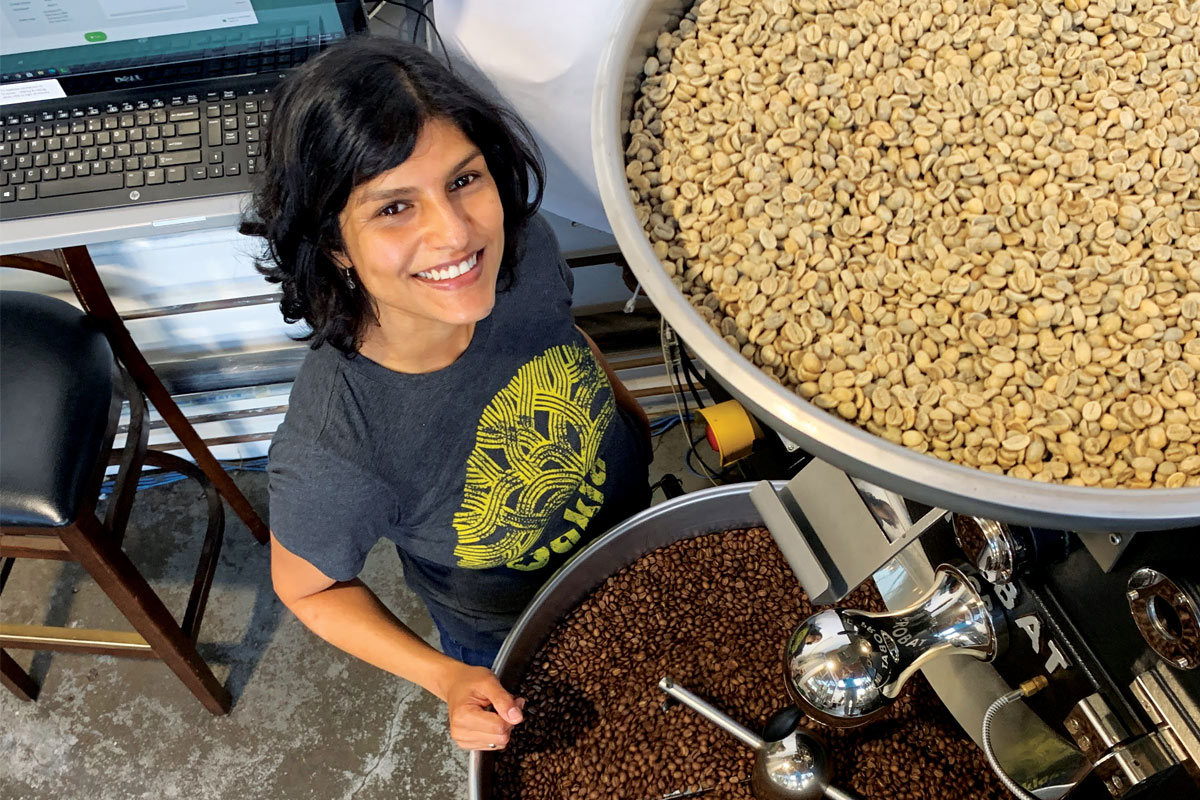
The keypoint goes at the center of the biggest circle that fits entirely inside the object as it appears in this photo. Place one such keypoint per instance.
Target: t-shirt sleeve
(324, 510)
(543, 247)
(567, 275)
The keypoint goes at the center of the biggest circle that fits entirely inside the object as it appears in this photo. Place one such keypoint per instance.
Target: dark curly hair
(349, 114)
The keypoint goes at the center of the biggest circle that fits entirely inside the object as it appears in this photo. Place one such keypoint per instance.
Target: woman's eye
(464, 180)
(393, 209)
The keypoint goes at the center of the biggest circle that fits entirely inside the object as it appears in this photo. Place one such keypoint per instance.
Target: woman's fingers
(476, 729)
(499, 698)
(473, 725)
(483, 721)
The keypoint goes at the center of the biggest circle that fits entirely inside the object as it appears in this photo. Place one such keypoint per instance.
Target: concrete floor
(308, 721)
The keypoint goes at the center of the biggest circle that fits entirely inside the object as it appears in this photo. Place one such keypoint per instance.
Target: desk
(116, 224)
(157, 219)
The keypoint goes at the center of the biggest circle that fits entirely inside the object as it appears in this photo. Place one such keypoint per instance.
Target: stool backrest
(57, 365)
(75, 265)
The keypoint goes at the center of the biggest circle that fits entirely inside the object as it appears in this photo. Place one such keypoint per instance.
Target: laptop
(118, 103)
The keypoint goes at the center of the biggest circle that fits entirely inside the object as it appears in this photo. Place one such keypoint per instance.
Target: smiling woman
(344, 129)
(426, 239)
(449, 404)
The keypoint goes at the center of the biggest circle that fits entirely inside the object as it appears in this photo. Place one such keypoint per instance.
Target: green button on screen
(96, 36)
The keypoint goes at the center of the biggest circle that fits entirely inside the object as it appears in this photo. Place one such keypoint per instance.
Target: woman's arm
(621, 393)
(348, 615)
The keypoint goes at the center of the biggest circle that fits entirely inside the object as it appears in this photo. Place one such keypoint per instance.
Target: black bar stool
(61, 394)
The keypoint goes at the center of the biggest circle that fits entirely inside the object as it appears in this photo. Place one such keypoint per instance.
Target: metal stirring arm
(713, 715)
(794, 768)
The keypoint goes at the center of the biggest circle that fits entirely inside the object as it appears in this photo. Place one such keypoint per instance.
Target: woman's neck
(401, 348)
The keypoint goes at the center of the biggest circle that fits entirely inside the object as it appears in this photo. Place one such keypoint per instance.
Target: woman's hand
(468, 697)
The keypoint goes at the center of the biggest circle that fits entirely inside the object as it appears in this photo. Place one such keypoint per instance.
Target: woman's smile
(453, 275)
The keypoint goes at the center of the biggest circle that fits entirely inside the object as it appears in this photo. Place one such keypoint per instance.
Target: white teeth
(446, 273)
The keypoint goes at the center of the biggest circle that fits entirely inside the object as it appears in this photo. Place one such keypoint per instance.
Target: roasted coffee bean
(714, 612)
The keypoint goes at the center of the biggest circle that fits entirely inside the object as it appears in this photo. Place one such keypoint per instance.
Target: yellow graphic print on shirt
(535, 454)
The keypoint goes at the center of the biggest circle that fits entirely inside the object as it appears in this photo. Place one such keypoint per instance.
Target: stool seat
(56, 401)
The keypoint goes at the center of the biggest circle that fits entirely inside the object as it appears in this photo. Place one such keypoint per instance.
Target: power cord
(1026, 689)
(420, 12)
(661, 425)
(374, 12)
(671, 346)
(687, 461)
(689, 369)
(670, 485)
(157, 478)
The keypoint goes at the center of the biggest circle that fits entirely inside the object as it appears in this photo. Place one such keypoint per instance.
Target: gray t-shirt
(487, 474)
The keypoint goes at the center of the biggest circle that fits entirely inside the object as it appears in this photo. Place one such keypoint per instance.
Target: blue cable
(664, 424)
(154, 480)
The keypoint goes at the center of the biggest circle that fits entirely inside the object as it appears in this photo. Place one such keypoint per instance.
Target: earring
(350, 280)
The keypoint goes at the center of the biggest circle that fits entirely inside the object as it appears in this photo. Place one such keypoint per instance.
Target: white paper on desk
(541, 57)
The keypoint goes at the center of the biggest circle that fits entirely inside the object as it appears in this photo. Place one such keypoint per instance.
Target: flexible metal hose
(1027, 688)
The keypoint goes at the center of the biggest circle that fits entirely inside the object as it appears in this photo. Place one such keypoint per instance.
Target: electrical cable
(663, 424)
(711, 473)
(687, 462)
(667, 362)
(159, 478)
(685, 363)
(689, 369)
(420, 12)
(417, 28)
(631, 303)
(374, 13)
(1026, 689)
(671, 362)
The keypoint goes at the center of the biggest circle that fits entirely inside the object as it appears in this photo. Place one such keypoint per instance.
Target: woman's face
(425, 238)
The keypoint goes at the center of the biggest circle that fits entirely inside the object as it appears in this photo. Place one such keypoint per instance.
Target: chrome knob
(845, 667)
(990, 546)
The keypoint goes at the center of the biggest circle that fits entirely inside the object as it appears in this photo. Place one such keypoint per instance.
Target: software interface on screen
(29, 25)
(42, 41)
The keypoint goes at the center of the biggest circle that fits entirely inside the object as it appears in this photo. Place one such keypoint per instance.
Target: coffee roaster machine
(1087, 600)
(1096, 590)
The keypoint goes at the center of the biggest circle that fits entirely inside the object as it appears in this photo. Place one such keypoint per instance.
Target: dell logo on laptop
(128, 78)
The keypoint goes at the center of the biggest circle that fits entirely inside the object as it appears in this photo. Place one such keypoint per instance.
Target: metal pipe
(710, 713)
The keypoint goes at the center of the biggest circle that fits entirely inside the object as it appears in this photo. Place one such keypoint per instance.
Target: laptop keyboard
(57, 160)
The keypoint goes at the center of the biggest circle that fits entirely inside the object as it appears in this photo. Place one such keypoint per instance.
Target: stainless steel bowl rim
(860, 453)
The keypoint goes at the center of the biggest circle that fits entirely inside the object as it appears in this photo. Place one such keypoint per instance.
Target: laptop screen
(60, 48)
